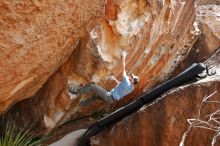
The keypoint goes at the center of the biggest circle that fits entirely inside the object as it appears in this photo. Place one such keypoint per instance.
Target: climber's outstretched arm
(113, 78)
(123, 55)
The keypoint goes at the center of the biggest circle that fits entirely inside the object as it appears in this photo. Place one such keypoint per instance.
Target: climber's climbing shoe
(73, 90)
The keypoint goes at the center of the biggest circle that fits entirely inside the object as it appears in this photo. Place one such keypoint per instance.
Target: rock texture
(186, 115)
(207, 16)
(156, 34)
(36, 37)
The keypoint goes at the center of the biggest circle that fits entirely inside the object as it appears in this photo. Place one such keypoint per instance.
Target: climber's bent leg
(102, 93)
(85, 89)
(99, 91)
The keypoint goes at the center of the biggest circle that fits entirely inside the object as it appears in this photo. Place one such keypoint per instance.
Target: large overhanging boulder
(157, 36)
(36, 37)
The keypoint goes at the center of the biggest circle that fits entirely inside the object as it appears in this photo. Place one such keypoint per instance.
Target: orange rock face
(36, 37)
(157, 36)
(186, 115)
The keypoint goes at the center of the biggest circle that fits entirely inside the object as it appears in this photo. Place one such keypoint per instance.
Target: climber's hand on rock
(123, 54)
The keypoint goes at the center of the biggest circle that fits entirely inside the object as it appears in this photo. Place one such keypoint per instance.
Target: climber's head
(133, 79)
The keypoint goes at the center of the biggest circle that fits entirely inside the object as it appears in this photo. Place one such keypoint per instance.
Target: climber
(122, 89)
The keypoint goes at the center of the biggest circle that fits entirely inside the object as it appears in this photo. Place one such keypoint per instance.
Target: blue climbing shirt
(122, 89)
